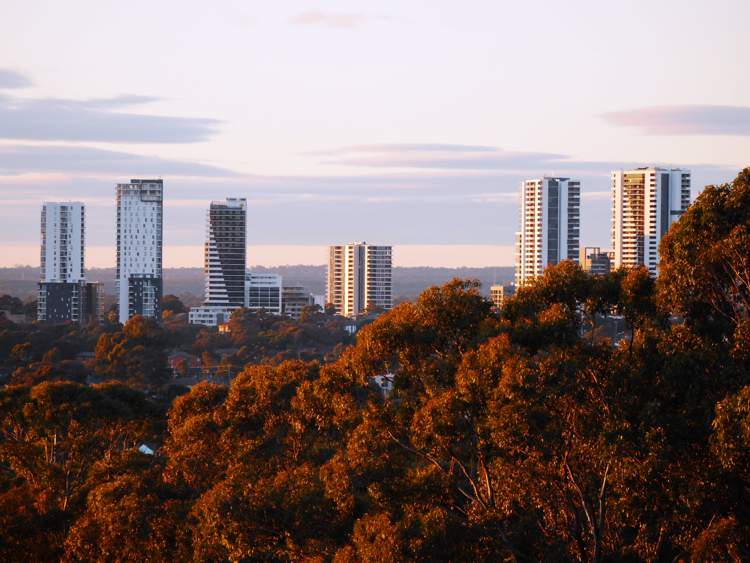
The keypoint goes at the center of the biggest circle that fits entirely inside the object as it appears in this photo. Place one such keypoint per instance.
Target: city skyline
(348, 136)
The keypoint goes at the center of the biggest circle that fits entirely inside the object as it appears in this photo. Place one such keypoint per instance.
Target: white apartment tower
(139, 248)
(63, 245)
(359, 278)
(645, 202)
(550, 219)
(225, 257)
(64, 295)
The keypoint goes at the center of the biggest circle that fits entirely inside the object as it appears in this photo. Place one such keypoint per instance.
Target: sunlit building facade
(550, 218)
(499, 293)
(645, 202)
(359, 278)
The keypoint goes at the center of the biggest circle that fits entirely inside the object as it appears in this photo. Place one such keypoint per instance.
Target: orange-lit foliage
(507, 436)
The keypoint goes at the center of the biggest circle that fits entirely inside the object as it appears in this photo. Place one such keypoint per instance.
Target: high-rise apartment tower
(139, 248)
(645, 202)
(225, 257)
(64, 294)
(550, 218)
(359, 278)
(63, 242)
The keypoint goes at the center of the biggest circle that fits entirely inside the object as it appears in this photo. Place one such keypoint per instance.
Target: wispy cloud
(333, 19)
(476, 159)
(684, 120)
(55, 119)
(39, 159)
(12, 79)
(404, 148)
(442, 156)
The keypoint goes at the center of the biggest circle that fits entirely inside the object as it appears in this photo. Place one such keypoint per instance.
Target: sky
(409, 123)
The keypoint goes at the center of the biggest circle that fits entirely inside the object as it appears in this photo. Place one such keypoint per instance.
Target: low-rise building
(595, 261)
(294, 299)
(499, 293)
(208, 315)
(263, 292)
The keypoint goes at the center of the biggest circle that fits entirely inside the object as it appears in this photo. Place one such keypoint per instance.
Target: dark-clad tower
(225, 255)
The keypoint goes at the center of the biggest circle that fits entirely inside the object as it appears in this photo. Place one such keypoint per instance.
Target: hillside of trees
(514, 435)
(188, 283)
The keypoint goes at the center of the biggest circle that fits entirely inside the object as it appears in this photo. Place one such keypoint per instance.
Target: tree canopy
(519, 435)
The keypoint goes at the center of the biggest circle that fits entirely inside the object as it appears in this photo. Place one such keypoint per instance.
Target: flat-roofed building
(263, 292)
(594, 261)
(499, 293)
(294, 299)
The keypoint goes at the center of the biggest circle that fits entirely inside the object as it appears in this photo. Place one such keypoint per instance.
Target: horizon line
(276, 255)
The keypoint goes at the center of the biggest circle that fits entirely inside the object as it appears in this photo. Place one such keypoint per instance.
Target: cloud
(405, 148)
(331, 19)
(443, 156)
(54, 119)
(12, 79)
(480, 159)
(684, 120)
(36, 159)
